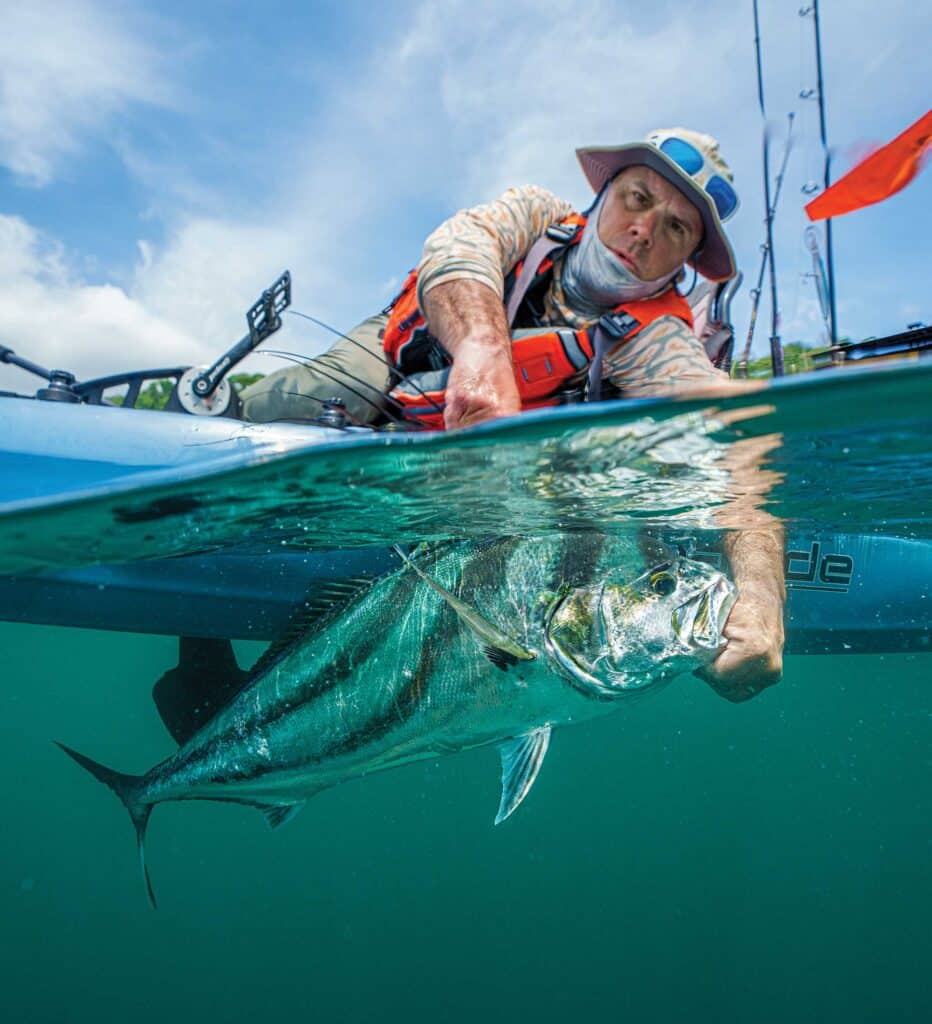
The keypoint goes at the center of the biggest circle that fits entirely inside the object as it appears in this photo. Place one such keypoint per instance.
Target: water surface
(685, 859)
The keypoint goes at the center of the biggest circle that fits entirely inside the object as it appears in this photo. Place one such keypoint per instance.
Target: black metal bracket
(92, 391)
(263, 319)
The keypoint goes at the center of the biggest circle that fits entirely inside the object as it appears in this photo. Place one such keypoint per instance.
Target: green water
(685, 859)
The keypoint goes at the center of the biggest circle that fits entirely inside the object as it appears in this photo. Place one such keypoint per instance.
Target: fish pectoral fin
(499, 658)
(499, 648)
(521, 761)
(279, 814)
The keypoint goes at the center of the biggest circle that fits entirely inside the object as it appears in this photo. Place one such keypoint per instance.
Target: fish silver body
(402, 674)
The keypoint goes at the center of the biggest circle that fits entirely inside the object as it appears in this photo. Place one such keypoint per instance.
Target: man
(519, 299)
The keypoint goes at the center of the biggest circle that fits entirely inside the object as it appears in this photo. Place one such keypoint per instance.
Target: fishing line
(319, 361)
(298, 360)
(291, 357)
(381, 359)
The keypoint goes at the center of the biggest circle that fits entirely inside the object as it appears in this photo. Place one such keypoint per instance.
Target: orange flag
(882, 174)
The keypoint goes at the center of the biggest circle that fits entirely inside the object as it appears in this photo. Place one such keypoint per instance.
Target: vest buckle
(562, 233)
(619, 325)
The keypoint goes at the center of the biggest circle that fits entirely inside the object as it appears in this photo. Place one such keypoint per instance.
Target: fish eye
(662, 583)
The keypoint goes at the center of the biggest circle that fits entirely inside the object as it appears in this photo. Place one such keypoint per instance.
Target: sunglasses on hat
(691, 160)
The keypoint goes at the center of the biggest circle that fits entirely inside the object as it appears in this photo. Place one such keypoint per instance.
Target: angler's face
(613, 639)
(650, 225)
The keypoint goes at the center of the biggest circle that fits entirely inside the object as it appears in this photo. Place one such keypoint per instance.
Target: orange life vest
(544, 361)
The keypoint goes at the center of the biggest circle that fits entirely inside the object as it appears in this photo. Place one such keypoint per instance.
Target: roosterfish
(465, 645)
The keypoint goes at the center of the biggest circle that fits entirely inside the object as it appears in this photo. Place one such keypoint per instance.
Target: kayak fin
(206, 678)
(125, 787)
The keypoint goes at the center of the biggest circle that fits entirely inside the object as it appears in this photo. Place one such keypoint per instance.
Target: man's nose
(644, 226)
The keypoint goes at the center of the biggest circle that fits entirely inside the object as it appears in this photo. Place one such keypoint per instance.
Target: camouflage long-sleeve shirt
(485, 243)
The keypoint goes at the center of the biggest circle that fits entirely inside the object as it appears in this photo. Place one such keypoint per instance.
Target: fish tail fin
(126, 788)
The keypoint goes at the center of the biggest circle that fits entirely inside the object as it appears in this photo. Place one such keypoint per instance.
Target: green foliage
(154, 395)
(797, 358)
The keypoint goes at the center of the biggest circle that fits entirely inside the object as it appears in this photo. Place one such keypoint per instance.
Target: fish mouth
(700, 621)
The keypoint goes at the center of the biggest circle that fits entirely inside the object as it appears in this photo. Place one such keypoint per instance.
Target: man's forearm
(468, 319)
(753, 658)
(467, 312)
(756, 560)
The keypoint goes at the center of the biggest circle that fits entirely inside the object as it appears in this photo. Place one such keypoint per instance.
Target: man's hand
(468, 318)
(753, 657)
(481, 386)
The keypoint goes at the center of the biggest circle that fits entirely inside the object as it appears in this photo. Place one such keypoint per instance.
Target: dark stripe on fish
(344, 660)
(328, 676)
(579, 558)
(406, 701)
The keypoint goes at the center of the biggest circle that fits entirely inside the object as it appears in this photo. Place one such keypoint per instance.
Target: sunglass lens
(723, 195)
(682, 153)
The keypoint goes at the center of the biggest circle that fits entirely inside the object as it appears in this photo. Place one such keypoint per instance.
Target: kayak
(845, 593)
(160, 522)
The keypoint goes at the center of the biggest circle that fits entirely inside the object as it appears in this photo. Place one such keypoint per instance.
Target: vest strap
(538, 252)
(611, 328)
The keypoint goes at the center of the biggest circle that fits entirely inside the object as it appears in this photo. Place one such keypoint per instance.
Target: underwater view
(680, 856)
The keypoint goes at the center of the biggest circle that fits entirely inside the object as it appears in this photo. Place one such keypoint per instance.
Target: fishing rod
(776, 350)
(766, 251)
(804, 12)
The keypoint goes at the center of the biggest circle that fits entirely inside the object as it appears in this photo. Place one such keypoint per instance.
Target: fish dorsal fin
(207, 676)
(521, 761)
(321, 605)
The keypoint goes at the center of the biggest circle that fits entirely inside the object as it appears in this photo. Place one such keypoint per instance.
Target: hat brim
(715, 260)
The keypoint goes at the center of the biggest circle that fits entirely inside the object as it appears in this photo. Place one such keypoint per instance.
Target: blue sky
(160, 165)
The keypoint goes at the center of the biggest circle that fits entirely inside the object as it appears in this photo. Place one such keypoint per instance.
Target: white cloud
(61, 323)
(66, 70)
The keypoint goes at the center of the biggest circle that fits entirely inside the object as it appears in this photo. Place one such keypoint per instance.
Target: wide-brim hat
(714, 259)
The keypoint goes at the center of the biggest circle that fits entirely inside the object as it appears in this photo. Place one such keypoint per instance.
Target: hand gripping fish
(465, 646)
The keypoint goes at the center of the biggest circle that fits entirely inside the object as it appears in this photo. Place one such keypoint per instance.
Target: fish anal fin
(521, 761)
(280, 814)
